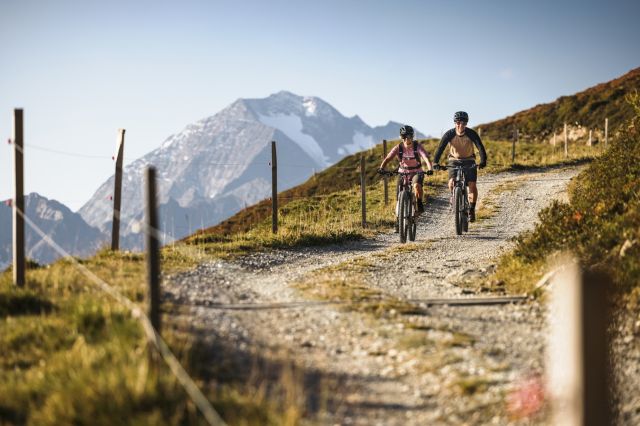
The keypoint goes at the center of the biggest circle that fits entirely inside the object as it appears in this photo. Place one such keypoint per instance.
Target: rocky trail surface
(291, 315)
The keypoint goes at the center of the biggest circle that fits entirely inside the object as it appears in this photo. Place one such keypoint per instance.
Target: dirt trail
(447, 365)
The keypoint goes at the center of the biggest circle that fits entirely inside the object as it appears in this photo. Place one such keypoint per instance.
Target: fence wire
(196, 395)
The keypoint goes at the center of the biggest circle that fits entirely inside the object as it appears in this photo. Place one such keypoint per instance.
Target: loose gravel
(450, 365)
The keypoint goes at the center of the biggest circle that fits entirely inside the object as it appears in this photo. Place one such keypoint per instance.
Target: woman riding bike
(408, 153)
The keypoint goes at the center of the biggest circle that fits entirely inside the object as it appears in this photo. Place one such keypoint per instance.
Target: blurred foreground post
(363, 192)
(18, 199)
(153, 250)
(384, 178)
(117, 192)
(274, 189)
(577, 355)
(566, 149)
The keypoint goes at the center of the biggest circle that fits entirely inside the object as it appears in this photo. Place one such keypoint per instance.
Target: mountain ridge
(221, 163)
(586, 109)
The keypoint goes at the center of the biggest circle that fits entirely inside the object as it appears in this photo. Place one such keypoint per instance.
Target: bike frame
(407, 226)
(460, 181)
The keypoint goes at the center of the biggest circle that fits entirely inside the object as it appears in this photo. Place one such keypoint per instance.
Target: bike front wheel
(413, 220)
(459, 209)
(405, 201)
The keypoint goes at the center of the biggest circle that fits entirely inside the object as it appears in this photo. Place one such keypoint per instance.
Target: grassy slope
(600, 224)
(326, 208)
(589, 108)
(72, 355)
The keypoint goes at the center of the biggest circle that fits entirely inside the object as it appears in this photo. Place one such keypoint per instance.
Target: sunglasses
(460, 122)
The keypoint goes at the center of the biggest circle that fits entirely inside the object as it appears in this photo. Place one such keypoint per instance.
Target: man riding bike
(408, 153)
(461, 153)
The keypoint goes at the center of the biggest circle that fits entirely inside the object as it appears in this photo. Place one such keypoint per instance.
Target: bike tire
(459, 210)
(465, 216)
(403, 216)
(413, 220)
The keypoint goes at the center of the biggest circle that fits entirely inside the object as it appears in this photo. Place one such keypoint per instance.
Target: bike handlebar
(456, 167)
(395, 172)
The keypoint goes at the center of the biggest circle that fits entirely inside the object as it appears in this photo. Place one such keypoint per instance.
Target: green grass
(71, 355)
(600, 224)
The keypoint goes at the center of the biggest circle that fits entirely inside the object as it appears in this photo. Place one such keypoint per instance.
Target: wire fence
(196, 395)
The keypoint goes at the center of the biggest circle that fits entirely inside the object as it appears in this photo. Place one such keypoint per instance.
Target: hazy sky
(83, 69)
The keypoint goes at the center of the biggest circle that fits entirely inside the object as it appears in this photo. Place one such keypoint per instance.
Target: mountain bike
(406, 207)
(460, 198)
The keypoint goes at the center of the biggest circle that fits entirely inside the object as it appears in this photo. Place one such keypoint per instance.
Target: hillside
(345, 175)
(584, 110)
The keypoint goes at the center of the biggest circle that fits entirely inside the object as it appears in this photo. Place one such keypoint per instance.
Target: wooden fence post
(19, 264)
(578, 366)
(566, 148)
(606, 131)
(385, 179)
(363, 192)
(117, 194)
(513, 146)
(153, 250)
(274, 189)
(590, 143)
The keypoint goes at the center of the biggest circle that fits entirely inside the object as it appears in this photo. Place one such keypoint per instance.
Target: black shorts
(471, 175)
(417, 178)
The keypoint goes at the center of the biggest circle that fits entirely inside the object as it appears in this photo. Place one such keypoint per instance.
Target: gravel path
(446, 365)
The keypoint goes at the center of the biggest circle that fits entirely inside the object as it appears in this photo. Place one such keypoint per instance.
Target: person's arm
(478, 143)
(389, 157)
(425, 155)
(446, 138)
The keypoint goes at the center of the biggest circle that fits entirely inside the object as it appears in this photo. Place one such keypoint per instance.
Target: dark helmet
(460, 116)
(405, 131)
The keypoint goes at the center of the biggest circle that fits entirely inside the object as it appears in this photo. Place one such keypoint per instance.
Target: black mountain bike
(406, 208)
(460, 198)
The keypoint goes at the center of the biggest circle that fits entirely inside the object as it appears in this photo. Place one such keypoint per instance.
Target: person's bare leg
(418, 191)
(473, 192)
(473, 199)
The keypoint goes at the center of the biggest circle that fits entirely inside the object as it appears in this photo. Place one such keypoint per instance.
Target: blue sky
(83, 69)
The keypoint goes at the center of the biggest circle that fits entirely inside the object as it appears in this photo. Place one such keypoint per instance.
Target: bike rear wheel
(459, 209)
(402, 217)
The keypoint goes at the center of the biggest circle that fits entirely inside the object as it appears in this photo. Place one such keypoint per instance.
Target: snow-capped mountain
(65, 227)
(218, 165)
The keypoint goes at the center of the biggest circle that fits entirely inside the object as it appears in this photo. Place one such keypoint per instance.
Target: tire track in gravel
(452, 365)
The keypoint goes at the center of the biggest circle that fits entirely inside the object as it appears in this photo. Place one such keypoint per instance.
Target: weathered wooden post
(363, 192)
(274, 189)
(606, 132)
(513, 146)
(19, 264)
(153, 250)
(566, 147)
(578, 366)
(590, 143)
(385, 179)
(554, 138)
(117, 193)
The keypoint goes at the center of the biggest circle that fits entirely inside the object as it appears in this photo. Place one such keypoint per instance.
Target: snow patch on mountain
(310, 106)
(360, 141)
(291, 125)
